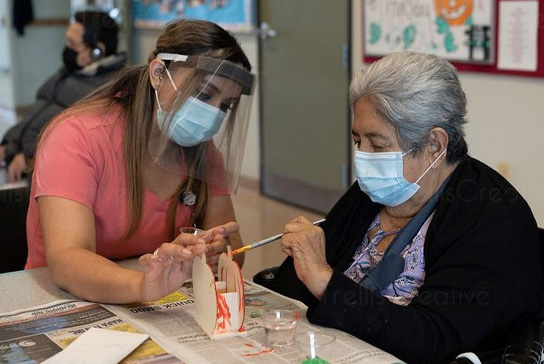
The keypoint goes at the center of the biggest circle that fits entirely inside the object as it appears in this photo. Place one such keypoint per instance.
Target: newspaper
(170, 321)
(33, 335)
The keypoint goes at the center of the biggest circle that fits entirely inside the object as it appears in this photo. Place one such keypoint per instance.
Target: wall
(7, 97)
(505, 118)
(143, 43)
(39, 51)
(28, 60)
(505, 123)
(7, 92)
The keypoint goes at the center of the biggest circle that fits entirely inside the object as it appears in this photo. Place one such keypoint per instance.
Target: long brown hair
(132, 90)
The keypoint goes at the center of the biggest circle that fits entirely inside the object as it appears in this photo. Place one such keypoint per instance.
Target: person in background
(156, 149)
(90, 59)
(470, 263)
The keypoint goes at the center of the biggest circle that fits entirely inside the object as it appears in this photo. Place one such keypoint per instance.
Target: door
(304, 80)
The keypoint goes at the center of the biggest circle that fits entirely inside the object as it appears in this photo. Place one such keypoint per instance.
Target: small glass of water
(280, 327)
(191, 230)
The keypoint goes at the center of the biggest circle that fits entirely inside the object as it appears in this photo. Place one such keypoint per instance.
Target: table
(27, 288)
(175, 330)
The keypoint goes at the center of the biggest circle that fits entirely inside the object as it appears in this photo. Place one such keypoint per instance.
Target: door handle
(265, 31)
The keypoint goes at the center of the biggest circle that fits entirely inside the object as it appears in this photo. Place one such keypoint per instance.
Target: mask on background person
(381, 177)
(69, 57)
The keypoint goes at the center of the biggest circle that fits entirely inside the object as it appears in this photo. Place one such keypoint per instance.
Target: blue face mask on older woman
(381, 177)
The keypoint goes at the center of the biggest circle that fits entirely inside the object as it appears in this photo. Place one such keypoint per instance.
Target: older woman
(431, 253)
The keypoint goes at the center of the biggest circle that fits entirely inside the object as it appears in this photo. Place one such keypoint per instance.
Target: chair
(526, 343)
(526, 340)
(266, 277)
(13, 210)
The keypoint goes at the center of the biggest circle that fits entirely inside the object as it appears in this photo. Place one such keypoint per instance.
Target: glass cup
(280, 327)
(191, 230)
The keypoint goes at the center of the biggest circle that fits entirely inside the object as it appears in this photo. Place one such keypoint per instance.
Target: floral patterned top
(404, 288)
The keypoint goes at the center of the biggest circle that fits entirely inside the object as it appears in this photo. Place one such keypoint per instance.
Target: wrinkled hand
(216, 240)
(16, 168)
(166, 269)
(305, 243)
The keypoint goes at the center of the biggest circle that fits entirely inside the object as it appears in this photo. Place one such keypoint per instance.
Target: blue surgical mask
(195, 122)
(381, 177)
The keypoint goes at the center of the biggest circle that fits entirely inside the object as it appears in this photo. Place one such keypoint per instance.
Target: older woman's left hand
(305, 243)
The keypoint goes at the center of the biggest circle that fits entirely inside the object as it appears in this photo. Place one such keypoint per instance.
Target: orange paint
(241, 294)
(455, 12)
(249, 345)
(223, 313)
(264, 351)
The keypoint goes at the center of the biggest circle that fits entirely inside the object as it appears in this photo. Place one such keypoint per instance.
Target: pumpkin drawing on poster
(454, 29)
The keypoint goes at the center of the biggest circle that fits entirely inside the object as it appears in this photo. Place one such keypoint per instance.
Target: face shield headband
(220, 67)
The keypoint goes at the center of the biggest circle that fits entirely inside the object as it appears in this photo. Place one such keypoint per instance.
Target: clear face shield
(203, 106)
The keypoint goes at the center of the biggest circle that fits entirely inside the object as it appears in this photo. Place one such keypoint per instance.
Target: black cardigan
(482, 267)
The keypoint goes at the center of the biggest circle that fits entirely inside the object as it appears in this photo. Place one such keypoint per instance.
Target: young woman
(154, 150)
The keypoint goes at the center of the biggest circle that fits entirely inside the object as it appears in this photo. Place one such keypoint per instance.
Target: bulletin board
(234, 15)
(466, 32)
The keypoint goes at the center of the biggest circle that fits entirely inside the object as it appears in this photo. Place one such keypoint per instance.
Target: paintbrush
(265, 241)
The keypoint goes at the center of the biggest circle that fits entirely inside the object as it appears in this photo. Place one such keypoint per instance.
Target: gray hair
(416, 92)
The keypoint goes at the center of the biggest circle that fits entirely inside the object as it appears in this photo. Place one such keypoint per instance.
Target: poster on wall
(233, 15)
(458, 30)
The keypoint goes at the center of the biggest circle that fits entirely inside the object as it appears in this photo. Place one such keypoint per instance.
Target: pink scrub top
(82, 159)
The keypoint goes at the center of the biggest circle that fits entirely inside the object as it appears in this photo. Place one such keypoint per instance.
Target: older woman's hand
(305, 243)
(166, 269)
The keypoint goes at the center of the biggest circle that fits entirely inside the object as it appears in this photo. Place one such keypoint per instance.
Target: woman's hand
(219, 241)
(17, 167)
(216, 240)
(305, 243)
(165, 270)
(2, 152)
